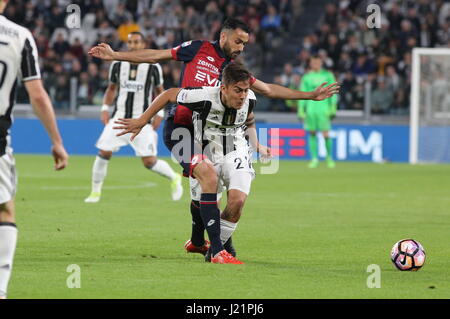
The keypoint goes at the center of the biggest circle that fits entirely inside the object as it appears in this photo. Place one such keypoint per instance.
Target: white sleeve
(193, 98)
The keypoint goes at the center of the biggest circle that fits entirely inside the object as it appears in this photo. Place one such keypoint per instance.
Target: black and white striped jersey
(18, 59)
(219, 127)
(136, 83)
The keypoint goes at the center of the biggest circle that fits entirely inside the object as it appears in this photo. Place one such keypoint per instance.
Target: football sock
(99, 171)
(198, 229)
(8, 239)
(313, 150)
(329, 146)
(163, 168)
(211, 219)
(226, 230)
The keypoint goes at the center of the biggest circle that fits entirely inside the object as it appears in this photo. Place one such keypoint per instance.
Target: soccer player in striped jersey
(203, 65)
(18, 59)
(131, 88)
(222, 117)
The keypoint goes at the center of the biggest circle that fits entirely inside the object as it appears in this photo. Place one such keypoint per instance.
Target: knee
(206, 175)
(7, 213)
(105, 155)
(149, 162)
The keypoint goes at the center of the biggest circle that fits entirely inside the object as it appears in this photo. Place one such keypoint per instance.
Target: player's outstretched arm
(134, 126)
(44, 110)
(276, 91)
(105, 52)
(264, 151)
(108, 99)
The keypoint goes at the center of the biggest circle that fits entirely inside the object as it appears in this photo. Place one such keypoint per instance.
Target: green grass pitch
(304, 233)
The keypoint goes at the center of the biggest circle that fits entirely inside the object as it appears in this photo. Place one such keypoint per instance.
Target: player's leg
(162, 168)
(313, 149)
(203, 170)
(329, 148)
(197, 242)
(173, 136)
(8, 229)
(311, 127)
(107, 143)
(8, 240)
(324, 126)
(99, 171)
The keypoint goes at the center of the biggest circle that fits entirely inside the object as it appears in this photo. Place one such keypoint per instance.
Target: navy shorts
(186, 140)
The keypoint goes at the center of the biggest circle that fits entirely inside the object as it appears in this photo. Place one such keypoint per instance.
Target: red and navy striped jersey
(203, 65)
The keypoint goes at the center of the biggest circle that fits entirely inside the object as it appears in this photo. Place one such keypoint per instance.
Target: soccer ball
(408, 254)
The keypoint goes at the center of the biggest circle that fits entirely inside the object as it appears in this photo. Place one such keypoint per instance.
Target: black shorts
(182, 152)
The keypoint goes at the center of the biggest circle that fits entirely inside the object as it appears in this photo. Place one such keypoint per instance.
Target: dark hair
(235, 72)
(233, 24)
(138, 33)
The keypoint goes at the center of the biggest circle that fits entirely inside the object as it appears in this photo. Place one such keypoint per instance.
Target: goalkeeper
(317, 115)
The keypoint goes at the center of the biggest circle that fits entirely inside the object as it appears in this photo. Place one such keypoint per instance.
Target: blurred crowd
(380, 57)
(164, 23)
(356, 53)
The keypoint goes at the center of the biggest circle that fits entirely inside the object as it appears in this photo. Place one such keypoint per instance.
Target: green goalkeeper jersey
(310, 82)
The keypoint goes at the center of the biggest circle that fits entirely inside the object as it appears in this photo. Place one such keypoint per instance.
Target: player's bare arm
(108, 99)
(253, 137)
(134, 126)
(44, 110)
(156, 122)
(105, 52)
(276, 91)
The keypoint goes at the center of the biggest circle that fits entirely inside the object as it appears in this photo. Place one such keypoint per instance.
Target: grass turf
(305, 233)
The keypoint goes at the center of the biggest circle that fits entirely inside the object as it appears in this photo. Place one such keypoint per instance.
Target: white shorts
(235, 172)
(8, 177)
(144, 144)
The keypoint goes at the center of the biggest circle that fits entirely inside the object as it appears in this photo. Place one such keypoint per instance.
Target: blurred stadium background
(373, 65)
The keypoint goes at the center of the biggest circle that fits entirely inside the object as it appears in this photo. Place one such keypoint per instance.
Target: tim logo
(287, 142)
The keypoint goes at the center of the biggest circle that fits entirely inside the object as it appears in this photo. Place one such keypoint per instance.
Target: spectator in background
(363, 66)
(60, 46)
(126, 28)
(347, 94)
(393, 80)
(287, 77)
(302, 61)
(61, 98)
(333, 48)
(120, 15)
(253, 56)
(83, 95)
(271, 22)
(331, 16)
(382, 98)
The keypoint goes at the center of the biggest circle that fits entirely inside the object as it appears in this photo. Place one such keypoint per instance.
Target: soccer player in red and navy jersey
(203, 65)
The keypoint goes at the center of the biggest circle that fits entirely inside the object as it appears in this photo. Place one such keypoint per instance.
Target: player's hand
(104, 117)
(324, 92)
(102, 51)
(60, 156)
(133, 126)
(265, 153)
